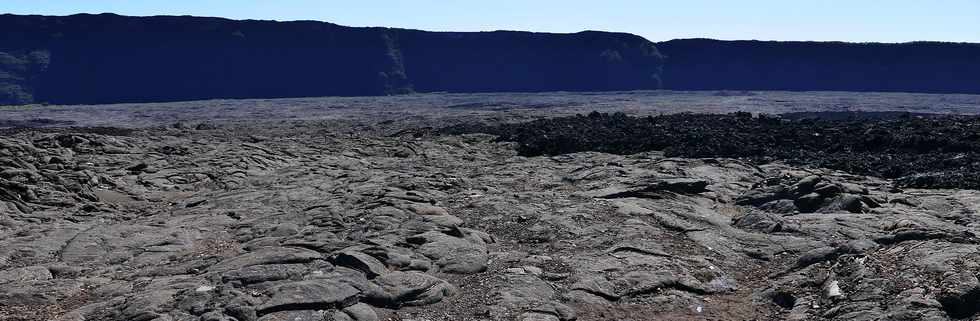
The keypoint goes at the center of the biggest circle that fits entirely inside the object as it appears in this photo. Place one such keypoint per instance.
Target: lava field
(918, 150)
(359, 209)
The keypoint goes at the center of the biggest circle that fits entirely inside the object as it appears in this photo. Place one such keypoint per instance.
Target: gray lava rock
(453, 254)
(757, 197)
(760, 221)
(816, 256)
(537, 316)
(361, 312)
(783, 206)
(321, 222)
(146, 306)
(810, 203)
(597, 286)
(656, 188)
(857, 246)
(309, 295)
(827, 189)
(806, 185)
(410, 288)
(563, 312)
(359, 261)
(643, 282)
(264, 273)
(299, 315)
(25, 274)
(267, 255)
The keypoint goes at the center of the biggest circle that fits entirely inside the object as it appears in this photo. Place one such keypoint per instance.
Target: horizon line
(498, 30)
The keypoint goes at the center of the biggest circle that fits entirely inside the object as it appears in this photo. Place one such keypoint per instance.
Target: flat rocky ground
(436, 109)
(354, 209)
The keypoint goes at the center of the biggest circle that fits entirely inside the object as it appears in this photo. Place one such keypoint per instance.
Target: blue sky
(844, 20)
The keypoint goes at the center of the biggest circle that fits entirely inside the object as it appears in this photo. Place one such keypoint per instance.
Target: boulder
(453, 254)
(309, 295)
(359, 261)
(410, 288)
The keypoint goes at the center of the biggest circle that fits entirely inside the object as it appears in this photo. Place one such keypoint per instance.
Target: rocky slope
(368, 219)
(108, 58)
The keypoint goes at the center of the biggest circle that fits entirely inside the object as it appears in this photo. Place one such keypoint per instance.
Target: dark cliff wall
(523, 61)
(931, 67)
(109, 58)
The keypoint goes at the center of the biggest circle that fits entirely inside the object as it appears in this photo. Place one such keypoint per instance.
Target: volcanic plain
(650, 205)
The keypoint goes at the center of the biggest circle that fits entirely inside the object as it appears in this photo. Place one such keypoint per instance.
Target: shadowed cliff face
(108, 58)
(19, 73)
(523, 61)
(85, 59)
(930, 67)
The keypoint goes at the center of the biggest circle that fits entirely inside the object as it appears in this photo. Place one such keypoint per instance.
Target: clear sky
(844, 20)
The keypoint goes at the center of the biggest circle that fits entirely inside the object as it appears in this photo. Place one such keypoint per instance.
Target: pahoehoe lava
(357, 209)
(918, 150)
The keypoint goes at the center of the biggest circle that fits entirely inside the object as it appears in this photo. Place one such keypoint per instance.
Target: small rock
(419, 265)
(359, 261)
(826, 189)
(533, 270)
(854, 189)
(361, 312)
(809, 203)
(832, 290)
(535, 316)
(851, 203)
(807, 184)
(563, 312)
(857, 246)
(267, 255)
(295, 315)
(783, 206)
(757, 197)
(597, 286)
(816, 256)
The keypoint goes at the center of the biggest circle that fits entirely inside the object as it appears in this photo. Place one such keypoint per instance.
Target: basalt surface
(364, 218)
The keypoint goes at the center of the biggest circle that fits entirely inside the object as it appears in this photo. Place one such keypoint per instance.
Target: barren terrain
(363, 209)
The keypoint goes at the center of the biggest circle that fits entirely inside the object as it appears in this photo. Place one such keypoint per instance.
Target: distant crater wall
(928, 67)
(89, 59)
(109, 59)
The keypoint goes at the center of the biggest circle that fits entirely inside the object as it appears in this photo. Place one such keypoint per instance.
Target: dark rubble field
(372, 208)
(917, 150)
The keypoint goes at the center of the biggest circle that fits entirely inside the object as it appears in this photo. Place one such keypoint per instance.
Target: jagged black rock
(926, 151)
